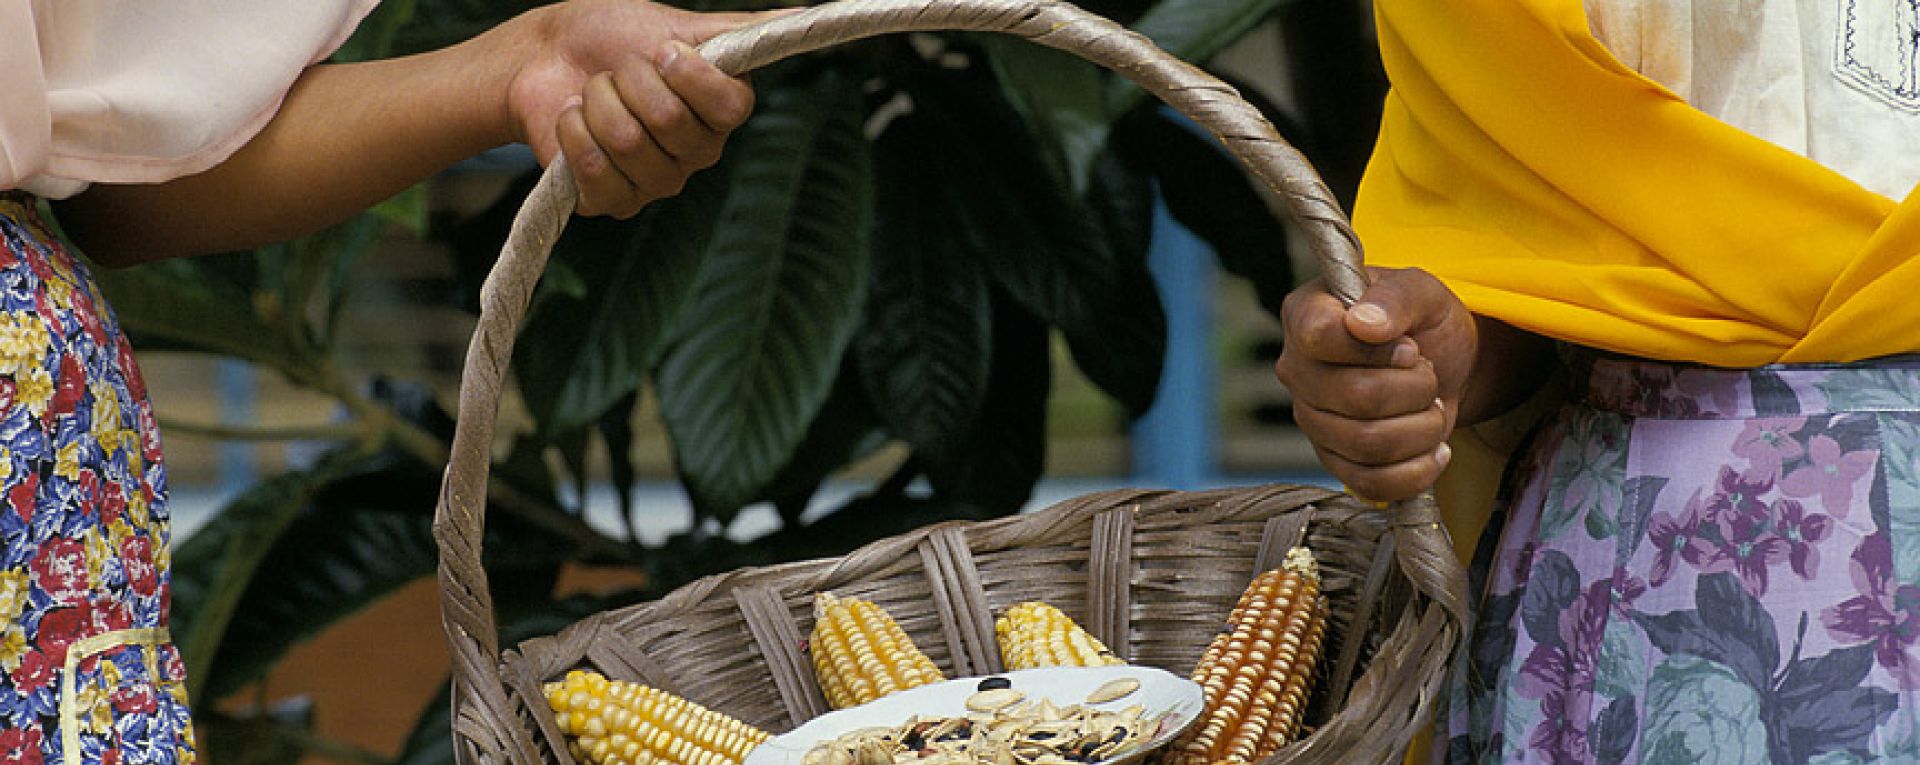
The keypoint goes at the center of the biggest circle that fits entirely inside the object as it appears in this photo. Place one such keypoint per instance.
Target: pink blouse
(138, 91)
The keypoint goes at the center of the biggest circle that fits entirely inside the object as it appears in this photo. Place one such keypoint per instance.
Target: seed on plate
(871, 752)
(1114, 689)
(988, 701)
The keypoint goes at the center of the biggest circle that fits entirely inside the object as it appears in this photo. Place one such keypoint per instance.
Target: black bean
(994, 683)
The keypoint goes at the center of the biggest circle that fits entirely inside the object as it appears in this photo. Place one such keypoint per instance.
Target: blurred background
(936, 277)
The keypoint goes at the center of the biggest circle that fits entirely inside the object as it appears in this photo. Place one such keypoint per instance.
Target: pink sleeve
(133, 92)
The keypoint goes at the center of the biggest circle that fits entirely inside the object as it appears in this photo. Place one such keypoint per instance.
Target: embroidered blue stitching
(1904, 95)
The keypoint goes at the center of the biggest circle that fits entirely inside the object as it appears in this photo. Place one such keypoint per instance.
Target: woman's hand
(1379, 387)
(609, 82)
(615, 86)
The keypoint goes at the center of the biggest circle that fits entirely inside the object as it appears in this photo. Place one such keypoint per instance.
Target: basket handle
(1425, 551)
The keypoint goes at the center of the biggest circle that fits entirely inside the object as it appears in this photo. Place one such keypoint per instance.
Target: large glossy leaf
(1211, 194)
(172, 303)
(925, 346)
(846, 429)
(1337, 86)
(1006, 453)
(1191, 30)
(1121, 197)
(1062, 98)
(778, 298)
(364, 534)
(312, 275)
(213, 568)
(273, 736)
(577, 356)
(1047, 247)
(572, 448)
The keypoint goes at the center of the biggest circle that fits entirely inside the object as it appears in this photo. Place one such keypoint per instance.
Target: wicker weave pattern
(1192, 555)
(1151, 574)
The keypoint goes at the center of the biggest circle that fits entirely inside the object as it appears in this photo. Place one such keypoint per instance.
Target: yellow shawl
(1556, 189)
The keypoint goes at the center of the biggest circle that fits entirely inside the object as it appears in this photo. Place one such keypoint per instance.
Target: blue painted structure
(1175, 444)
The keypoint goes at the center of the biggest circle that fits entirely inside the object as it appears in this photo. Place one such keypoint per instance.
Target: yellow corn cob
(1035, 634)
(861, 654)
(1254, 677)
(614, 722)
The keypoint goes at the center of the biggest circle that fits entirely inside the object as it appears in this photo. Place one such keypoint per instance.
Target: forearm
(1509, 365)
(347, 137)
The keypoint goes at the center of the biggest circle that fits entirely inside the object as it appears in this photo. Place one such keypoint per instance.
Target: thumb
(1399, 303)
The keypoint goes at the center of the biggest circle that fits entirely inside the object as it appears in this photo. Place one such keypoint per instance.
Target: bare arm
(583, 77)
(1509, 366)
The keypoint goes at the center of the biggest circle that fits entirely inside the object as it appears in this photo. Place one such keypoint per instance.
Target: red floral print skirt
(88, 673)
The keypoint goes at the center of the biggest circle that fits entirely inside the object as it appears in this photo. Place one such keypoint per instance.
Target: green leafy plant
(887, 253)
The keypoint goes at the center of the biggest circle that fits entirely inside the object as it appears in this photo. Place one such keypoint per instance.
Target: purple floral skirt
(1701, 565)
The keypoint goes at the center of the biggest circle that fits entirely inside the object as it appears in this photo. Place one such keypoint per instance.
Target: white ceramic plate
(1165, 695)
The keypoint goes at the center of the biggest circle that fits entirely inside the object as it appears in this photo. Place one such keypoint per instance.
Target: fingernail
(1440, 405)
(1369, 313)
(1405, 354)
(572, 101)
(1443, 455)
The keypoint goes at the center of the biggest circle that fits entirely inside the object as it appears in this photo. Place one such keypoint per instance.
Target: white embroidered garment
(1837, 81)
(126, 91)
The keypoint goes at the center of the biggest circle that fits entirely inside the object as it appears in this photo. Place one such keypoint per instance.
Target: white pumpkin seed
(987, 701)
(1114, 689)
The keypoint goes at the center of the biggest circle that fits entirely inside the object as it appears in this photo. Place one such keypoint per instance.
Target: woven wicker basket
(1152, 574)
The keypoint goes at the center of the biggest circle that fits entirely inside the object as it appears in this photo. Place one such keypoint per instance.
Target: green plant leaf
(1047, 247)
(576, 357)
(1063, 100)
(1006, 453)
(272, 737)
(758, 347)
(1191, 30)
(1121, 199)
(313, 277)
(845, 429)
(924, 349)
(407, 209)
(213, 568)
(525, 467)
(572, 447)
(1210, 194)
(172, 303)
(374, 37)
(348, 541)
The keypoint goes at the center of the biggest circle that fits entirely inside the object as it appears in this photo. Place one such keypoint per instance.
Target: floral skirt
(1700, 565)
(88, 673)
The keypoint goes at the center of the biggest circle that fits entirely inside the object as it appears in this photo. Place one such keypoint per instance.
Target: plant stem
(380, 423)
(333, 432)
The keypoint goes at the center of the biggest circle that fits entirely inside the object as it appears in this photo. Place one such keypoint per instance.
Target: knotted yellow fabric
(1554, 188)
